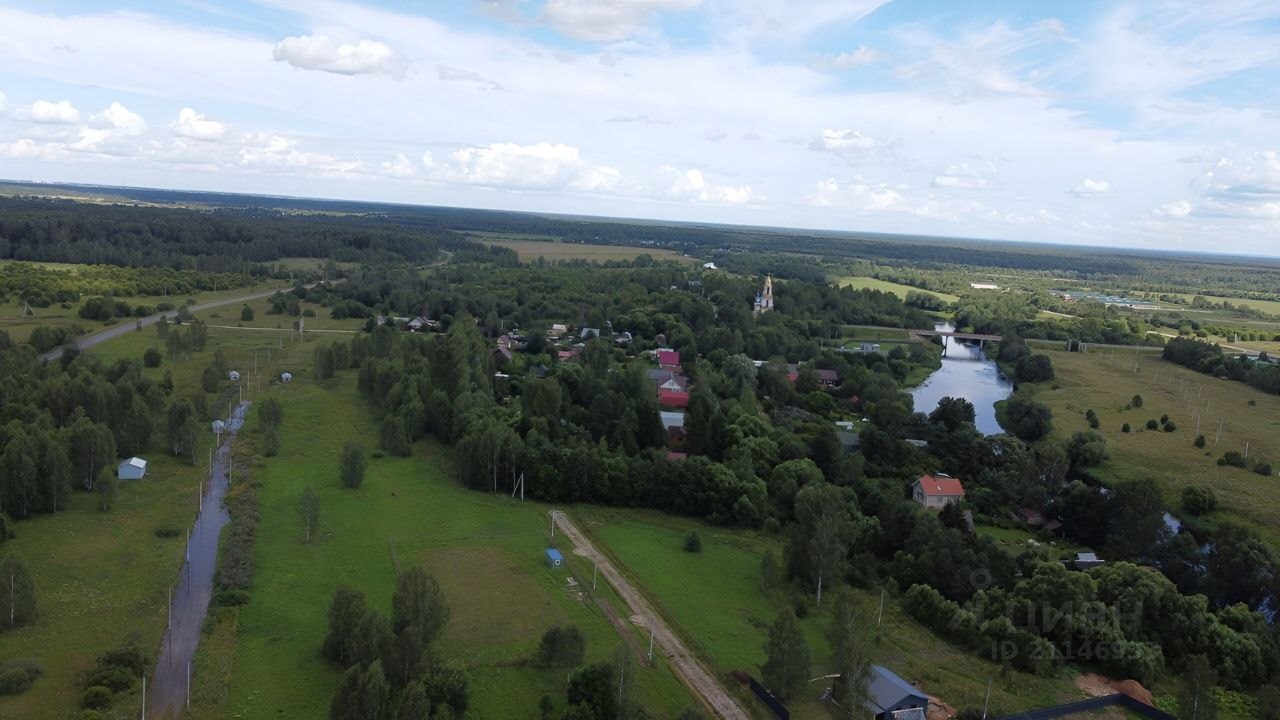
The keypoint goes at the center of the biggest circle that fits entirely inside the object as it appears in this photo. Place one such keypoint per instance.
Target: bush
(1033, 368)
(1027, 419)
(95, 698)
(692, 542)
(1092, 418)
(230, 598)
(1263, 469)
(1199, 441)
(563, 647)
(1234, 459)
(1170, 426)
(167, 532)
(246, 314)
(1199, 500)
(352, 464)
(1152, 424)
(1087, 448)
(1124, 428)
(152, 357)
(14, 681)
(1136, 401)
(1164, 419)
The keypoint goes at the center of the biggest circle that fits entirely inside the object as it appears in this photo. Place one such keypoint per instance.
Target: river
(966, 372)
(170, 684)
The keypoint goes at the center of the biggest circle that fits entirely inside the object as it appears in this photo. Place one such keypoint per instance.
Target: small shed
(554, 558)
(132, 469)
(286, 377)
(233, 376)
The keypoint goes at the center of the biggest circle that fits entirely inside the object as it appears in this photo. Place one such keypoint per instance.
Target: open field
(714, 599)
(895, 288)
(101, 579)
(229, 315)
(870, 332)
(1106, 383)
(1271, 307)
(486, 551)
(530, 250)
(19, 327)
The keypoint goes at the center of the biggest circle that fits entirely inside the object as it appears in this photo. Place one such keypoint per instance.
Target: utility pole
(144, 696)
(650, 640)
(595, 567)
(880, 612)
(986, 702)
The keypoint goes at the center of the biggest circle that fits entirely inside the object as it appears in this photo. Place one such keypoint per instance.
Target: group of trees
(1209, 359)
(393, 669)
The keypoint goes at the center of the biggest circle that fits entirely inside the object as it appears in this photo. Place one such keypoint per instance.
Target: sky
(1133, 124)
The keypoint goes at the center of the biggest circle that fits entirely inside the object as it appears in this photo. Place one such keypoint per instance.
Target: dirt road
(691, 672)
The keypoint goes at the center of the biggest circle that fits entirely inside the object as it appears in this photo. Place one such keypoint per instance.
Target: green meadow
(870, 283)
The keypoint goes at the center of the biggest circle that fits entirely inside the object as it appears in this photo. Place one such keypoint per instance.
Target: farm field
(486, 551)
(901, 291)
(714, 599)
(1106, 382)
(870, 332)
(530, 250)
(229, 316)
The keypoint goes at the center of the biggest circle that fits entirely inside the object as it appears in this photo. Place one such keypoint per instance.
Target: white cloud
(540, 166)
(401, 168)
(859, 57)
(1175, 209)
(191, 124)
(967, 174)
(1091, 188)
(120, 118)
(281, 153)
(448, 73)
(323, 53)
(606, 20)
(60, 112)
(691, 185)
(3, 101)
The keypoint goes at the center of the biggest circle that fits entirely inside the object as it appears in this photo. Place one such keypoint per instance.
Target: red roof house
(668, 359)
(937, 491)
(673, 398)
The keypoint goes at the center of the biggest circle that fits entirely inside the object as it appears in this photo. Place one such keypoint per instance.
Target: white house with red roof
(937, 491)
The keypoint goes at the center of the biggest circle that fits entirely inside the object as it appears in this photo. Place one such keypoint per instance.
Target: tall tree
(1196, 700)
(17, 594)
(786, 667)
(352, 464)
(309, 513)
(347, 609)
(851, 651)
(362, 694)
(418, 601)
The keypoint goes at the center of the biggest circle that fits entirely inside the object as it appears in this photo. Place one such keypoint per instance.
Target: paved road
(167, 691)
(691, 672)
(88, 341)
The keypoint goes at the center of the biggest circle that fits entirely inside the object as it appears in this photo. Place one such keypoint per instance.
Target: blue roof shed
(554, 558)
(888, 694)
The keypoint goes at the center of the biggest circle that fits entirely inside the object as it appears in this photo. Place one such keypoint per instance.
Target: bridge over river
(955, 334)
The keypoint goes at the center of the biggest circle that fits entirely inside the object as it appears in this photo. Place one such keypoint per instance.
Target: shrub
(1033, 368)
(561, 646)
(1252, 403)
(1152, 424)
(1027, 419)
(1136, 401)
(230, 598)
(1124, 428)
(1092, 418)
(167, 532)
(246, 314)
(14, 681)
(1170, 426)
(1233, 458)
(693, 542)
(1199, 441)
(152, 357)
(1263, 469)
(1164, 419)
(1199, 500)
(95, 698)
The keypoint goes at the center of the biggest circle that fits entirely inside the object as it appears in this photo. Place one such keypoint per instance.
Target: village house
(889, 697)
(937, 491)
(668, 359)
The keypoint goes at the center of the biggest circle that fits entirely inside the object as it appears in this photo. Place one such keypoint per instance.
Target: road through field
(691, 672)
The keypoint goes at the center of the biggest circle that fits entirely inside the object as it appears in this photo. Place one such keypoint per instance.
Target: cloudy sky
(1137, 124)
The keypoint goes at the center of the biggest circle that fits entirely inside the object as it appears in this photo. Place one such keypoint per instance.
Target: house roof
(668, 357)
(555, 555)
(941, 485)
(135, 462)
(673, 398)
(673, 455)
(887, 690)
(672, 419)
(1031, 516)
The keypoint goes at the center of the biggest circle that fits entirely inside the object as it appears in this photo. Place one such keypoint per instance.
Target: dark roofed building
(888, 696)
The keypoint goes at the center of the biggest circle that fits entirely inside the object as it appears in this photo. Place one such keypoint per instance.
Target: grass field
(529, 250)
(1106, 383)
(714, 599)
(901, 291)
(101, 579)
(869, 332)
(19, 327)
(486, 550)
